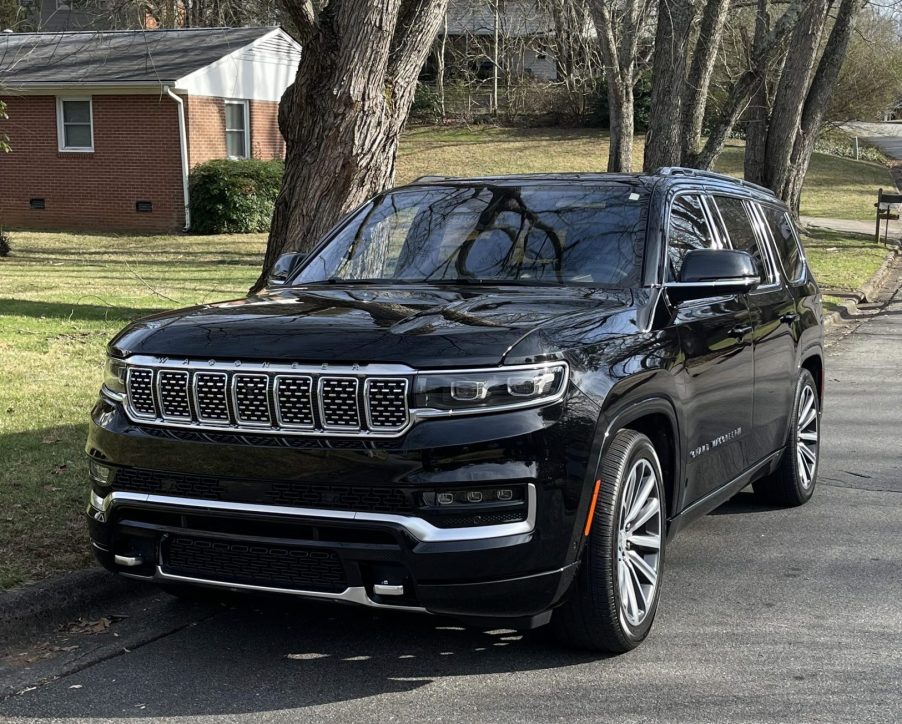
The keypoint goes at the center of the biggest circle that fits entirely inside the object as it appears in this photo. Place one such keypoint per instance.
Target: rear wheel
(793, 481)
(615, 596)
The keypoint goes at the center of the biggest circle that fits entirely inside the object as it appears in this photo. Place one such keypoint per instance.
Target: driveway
(791, 615)
(885, 136)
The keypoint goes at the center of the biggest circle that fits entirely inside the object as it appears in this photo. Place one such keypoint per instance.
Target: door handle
(740, 331)
(789, 317)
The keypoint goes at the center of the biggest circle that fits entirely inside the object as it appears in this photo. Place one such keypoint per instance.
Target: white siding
(260, 71)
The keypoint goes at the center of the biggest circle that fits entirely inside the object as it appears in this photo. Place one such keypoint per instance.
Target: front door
(717, 374)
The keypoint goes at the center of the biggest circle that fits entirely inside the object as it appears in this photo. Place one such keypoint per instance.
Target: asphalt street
(767, 615)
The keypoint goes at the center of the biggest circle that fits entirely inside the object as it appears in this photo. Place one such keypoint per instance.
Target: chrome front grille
(274, 401)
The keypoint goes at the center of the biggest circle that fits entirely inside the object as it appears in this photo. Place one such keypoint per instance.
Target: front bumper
(514, 571)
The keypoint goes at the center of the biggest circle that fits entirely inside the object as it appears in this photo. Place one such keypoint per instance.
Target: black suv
(492, 398)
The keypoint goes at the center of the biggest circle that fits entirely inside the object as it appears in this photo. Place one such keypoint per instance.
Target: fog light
(100, 474)
(445, 498)
(504, 494)
(474, 496)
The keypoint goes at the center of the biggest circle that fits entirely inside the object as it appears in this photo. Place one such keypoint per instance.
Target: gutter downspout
(183, 148)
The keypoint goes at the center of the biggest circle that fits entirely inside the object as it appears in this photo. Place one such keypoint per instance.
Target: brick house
(105, 126)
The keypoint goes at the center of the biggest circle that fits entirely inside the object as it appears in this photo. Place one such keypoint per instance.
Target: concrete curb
(867, 293)
(61, 599)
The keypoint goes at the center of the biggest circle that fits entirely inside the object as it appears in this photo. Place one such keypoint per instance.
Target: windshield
(555, 234)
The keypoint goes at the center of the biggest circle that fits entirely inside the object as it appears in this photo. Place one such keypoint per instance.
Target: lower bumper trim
(352, 594)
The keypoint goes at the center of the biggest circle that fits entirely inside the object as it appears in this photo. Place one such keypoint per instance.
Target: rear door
(717, 377)
(773, 314)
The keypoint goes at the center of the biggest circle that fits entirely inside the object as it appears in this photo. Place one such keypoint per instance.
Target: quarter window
(75, 124)
(688, 229)
(236, 129)
(785, 241)
(738, 225)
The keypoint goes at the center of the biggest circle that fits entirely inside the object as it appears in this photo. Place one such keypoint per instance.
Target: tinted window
(688, 229)
(486, 233)
(739, 228)
(785, 242)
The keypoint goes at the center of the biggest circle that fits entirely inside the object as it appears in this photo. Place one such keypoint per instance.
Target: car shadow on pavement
(263, 656)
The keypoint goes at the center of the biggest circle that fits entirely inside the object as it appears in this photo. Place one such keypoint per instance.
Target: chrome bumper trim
(352, 594)
(420, 529)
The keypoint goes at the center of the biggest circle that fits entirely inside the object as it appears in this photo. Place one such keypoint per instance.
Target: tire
(792, 483)
(599, 613)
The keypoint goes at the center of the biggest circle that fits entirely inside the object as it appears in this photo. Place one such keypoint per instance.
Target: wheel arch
(814, 363)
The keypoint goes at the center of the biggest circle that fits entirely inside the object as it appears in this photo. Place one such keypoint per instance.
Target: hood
(420, 326)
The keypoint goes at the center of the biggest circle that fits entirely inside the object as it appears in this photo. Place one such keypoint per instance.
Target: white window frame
(247, 127)
(60, 126)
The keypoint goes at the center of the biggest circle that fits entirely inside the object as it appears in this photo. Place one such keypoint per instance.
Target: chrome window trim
(160, 406)
(241, 422)
(366, 403)
(321, 409)
(420, 529)
(223, 424)
(278, 405)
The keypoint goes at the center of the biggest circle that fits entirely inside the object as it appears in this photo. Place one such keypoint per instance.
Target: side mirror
(284, 268)
(714, 272)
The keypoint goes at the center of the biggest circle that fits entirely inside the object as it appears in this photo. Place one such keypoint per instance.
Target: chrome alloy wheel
(639, 543)
(807, 436)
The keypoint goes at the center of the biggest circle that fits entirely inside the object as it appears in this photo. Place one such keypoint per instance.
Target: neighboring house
(523, 28)
(105, 126)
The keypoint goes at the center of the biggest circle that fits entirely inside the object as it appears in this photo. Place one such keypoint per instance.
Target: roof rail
(430, 177)
(683, 171)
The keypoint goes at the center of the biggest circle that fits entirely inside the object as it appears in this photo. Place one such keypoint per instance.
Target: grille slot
(294, 401)
(338, 402)
(251, 399)
(255, 402)
(387, 403)
(210, 396)
(140, 391)
(254, 563)
(172, 387)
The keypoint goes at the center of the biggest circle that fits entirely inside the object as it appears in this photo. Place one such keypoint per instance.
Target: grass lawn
(63, 296)
(836, 187)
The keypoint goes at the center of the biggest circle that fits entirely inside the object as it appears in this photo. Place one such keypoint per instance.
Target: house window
(237, 129)
(75, 124)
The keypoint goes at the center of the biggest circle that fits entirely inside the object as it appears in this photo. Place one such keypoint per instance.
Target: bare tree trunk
(342, 118)
(440, 68)
(759, 109)
(789, 100)
(698, 81)
(618, 31)
(662, 142)
(818, 98)
(745, 87)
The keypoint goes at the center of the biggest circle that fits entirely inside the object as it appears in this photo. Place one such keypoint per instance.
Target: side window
(688, 229)
(785, 241)
(739, 228)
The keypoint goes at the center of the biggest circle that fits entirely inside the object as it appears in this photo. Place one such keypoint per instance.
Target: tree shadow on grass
(83, 312)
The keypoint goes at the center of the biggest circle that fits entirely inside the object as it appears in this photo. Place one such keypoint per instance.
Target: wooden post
(877, 234)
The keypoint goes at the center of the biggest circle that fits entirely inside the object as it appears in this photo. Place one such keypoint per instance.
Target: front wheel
(615, 595)
(793, 481)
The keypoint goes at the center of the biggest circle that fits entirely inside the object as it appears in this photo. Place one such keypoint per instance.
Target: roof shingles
(120, 57)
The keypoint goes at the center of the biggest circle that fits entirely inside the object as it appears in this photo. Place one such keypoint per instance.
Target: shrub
(5, 246)
(234, 197)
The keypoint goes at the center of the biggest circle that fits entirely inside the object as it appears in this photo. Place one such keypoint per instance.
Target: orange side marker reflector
(592, 507)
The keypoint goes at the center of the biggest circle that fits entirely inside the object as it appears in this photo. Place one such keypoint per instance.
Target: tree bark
(792, 89)
(343, 115)
(698, 81)
(758, 112)
(662, 142)
(818, 99)
(762, 58)
(619, 27)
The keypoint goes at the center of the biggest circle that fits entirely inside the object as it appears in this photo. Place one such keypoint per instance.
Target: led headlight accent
(488, 390)
(114, 376)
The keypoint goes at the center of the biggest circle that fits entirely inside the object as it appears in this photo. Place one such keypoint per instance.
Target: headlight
(114, 376)
(491, 389)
